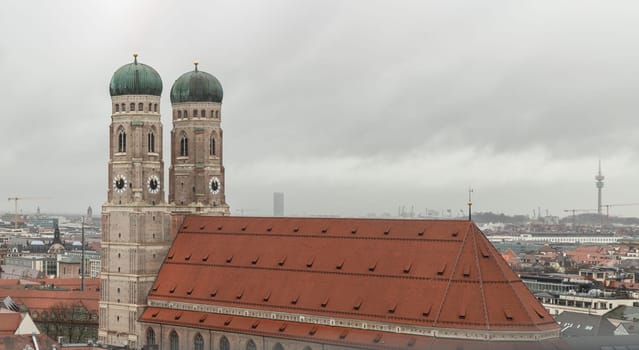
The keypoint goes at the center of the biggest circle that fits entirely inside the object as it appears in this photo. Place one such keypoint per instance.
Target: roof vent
(202, 227)
(229, 258)
(202, 318)
(156, 287)
(343, 334)
(441, 269)
(466, 271)
(282, 261)
(325, 302)
(325, 229)
(283, 327)
(354, 230)
(455, 233)
(392, 308)
(340, 265)
(178, 315)
(462, 312)
(267, 296)
(190, 291)
(295, 299)
(244, 228)
(309, 263)
(173, 288)
(508, 314)
(171, 254)
(296, 229)
(421, 233)
(205, 258)
(269, 229)
(155, 314)
(387, 230)
(408, 267)
(239, 296)
(377, 339)
(372, 267)
(539, 312)
(255, 324)
(214, 293)
(185, 227)
(188, 257)
(426, 311)
(358, 304)
(484, 252)
(228, 321)
(219, 228)
(313, 330)
(255, 260)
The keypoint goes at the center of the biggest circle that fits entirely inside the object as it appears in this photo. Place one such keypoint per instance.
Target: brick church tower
(136, 217)
(196, 174)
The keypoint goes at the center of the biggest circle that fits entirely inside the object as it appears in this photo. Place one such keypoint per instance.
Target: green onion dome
(196, 86)
(135, 79)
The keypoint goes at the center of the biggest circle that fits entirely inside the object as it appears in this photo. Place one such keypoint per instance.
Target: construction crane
(574, 216)
(15, 207)
(617, 205)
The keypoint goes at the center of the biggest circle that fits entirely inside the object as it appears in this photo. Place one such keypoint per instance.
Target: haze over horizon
(346, 107)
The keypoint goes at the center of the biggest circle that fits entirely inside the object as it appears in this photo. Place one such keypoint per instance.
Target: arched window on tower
(150, 105)
(198, 342)
(186, 114)
(132, 107)
(179, 114)
(212, 115)
(203, 114)
(151, 141)
(217, 114)
(195, 113)
(184, 146)
(174, 341)
(140, 106)
(123, 107)
(155, 107)
(150, 336)
(212, 145)
(121, 140)
(117, 107)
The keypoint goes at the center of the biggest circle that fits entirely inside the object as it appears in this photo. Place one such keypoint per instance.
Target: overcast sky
(348, 107)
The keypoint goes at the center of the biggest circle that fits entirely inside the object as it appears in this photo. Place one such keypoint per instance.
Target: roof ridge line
(481, 281)
(501, 270)
(452, 272)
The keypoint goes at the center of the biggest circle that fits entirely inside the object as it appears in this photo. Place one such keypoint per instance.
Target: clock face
(119, 183)
(215, 185)
(153, 184)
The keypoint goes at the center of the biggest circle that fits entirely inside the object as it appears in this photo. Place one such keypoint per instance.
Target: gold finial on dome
(196, 62)
(135, 57)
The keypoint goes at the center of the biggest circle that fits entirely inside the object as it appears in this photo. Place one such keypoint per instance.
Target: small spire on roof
(135, 58)
(196, 63)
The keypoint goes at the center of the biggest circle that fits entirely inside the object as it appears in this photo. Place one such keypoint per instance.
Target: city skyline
(348, 108)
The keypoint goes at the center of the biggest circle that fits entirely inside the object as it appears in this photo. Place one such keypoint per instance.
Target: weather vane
(470, 202)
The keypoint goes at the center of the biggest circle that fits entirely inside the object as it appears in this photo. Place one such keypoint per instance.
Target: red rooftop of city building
(373, 282)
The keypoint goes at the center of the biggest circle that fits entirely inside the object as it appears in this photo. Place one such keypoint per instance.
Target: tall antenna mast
(600, 185)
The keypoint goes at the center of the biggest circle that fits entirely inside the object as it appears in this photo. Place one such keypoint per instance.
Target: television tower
(600, 185)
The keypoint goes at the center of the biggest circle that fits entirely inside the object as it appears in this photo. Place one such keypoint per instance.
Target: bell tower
(196, 173)
(135, 217)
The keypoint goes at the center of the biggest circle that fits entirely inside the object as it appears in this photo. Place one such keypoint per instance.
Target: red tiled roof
(13, 342)
(9, 322)
(434, 274)
(42, 299)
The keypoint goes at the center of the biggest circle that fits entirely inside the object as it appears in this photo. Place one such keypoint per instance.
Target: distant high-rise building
(89, 218)
(278, 204)
(600, 184)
